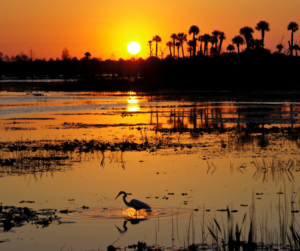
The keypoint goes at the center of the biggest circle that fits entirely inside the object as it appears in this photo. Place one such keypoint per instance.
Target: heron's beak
(117, 196)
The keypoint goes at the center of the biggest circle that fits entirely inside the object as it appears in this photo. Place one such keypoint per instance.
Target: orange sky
(106, 27)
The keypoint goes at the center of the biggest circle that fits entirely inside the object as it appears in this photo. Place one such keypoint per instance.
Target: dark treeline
(206, 66)
(253, 69)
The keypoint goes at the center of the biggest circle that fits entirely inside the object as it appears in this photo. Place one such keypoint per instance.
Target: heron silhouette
(132, 221)
(136, 204)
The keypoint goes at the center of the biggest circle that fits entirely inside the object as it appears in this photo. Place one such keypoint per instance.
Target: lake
(202, 162)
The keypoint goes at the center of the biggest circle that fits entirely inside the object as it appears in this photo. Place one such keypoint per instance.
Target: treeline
(250, 69)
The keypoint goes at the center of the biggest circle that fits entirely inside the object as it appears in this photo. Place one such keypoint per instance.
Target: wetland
(220, 170)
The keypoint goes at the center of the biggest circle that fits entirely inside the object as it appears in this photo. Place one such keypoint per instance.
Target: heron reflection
(132, 221)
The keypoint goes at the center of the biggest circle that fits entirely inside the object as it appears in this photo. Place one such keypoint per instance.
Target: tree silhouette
(156, 39)
(206, 38)
(65, 55)
(178, 44)
(170, 44)
(190, 49)
(238, 40)
(213, 50)
(230, 48)
(221, 37)
(195, 30)
(247, 33)
(262, 26)
(279, 47)
(181, 37)
(215, 35)
(201, 40)
(174, 37)
(87, 55)
(293, 27)
(150, 47)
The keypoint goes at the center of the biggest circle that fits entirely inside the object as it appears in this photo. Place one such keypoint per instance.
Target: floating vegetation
(11, 217)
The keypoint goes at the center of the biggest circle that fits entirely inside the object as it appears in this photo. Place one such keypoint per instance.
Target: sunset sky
(104, 28)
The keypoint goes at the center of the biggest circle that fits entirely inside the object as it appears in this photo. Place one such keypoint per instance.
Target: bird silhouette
(132, 221)
(136, 204)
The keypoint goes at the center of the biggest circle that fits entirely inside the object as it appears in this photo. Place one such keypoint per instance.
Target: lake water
(188, 157)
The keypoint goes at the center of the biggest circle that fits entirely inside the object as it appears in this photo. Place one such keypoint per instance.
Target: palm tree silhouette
(293, 27)
(238, 40)
(213, 50)
(230, 48)
(87, 54)
(247, 33)
(181, 37)
(195, 30)
(190, 49)
(174, 37)
(262, 26)
(221, 37)
(215, 35)
(170, 44)
(279, 47)
(156, 39)
(201, 40)
(206, 38)
(178, 44)
(150, 47)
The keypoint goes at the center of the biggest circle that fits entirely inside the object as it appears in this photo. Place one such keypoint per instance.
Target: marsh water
(188, 157)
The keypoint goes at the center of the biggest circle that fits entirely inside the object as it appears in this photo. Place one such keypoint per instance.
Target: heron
(136, 204)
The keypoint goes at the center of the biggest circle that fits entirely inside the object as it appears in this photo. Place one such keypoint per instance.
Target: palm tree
(181, 37)
(156, 39)
(190, 46)
(87, 54)
(262, 26)
(190, 49)
(238, 40)
(293, 27)
(230, 48)
(195, 30)
(206, 38)
(170, 44)
(221, 37)
(201, 40)
(178, 44)
(174, 37)
(279, 47)
(150, 44)
(215, 35)
(247, 33)
(213, 40)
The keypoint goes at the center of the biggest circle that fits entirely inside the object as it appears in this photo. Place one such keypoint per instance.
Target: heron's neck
(124, 199)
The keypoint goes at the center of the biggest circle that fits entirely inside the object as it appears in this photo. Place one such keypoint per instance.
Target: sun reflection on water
(133, 104)
(131, 213)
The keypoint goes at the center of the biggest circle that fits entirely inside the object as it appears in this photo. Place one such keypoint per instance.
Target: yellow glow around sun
(133, 48)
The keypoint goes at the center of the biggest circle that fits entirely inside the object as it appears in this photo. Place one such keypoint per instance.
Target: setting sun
(133, 48)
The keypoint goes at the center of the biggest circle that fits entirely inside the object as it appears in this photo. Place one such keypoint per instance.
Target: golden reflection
(132, 100)
(132, 103)
(133, 108)
(131, 213)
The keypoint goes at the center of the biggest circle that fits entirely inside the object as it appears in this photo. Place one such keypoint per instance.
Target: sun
(133, 48)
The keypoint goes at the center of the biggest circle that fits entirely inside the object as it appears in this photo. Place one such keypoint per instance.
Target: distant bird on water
(136, 204)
